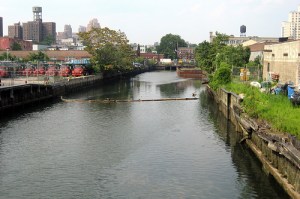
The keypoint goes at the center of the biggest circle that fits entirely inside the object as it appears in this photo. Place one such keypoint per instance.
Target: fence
(249, 73)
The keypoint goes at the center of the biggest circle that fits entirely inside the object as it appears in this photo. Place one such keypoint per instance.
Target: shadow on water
(26, 111)
(114, 89)
(248, 167)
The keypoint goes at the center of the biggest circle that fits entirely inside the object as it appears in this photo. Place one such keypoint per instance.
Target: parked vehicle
(39, 71)
(28, 71)
(3, 71)
(64, 71)
(51, 71)
(78, 71)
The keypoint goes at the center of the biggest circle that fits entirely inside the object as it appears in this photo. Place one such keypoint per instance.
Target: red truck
(51, 71)
(64, 71)
(78, 71)
(3, 71)
(39, 71)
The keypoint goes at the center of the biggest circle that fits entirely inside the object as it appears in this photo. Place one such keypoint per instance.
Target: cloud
(195, 8)
(190, 10)
(264, 5)
(219, 11)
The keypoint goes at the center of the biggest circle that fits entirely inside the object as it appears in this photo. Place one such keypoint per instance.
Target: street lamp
(7, 49)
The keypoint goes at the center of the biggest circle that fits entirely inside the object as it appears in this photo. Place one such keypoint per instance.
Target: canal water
(158, 149)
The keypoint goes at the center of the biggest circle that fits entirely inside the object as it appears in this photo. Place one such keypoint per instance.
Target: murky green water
(166, 149)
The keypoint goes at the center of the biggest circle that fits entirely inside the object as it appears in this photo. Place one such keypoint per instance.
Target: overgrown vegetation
(219, 59)
(168, 45)
(110, 50)
(7, 57)
(275, 109)
(210, 55)
(221, 77)
(38, 56)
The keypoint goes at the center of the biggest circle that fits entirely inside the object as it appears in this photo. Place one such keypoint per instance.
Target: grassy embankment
(277, 110)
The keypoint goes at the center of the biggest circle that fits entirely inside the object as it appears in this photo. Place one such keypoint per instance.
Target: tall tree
(15, 46)
(203, 55)
(235, 56)
(207, 53)
(138, 51)
(48, 40)
(39, 56)
(109, 49)
(7, 56)
(168, 45)
(210, 56)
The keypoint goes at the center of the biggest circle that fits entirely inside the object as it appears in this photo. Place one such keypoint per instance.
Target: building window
(273, 55)
(285, 54)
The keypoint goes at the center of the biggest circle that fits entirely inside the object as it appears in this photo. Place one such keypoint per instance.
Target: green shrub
(275, 109)
(221, 77)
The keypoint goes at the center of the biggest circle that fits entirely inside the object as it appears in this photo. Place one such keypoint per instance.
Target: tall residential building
(32, 30)
(291, 28)
(68, 31)
(82, 29)
(49, 31)
(15, 31)
(1, 27)
(37, 30)
(93, 24)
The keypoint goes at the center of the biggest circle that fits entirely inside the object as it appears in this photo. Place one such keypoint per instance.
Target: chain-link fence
(249, 73)
(13, 73)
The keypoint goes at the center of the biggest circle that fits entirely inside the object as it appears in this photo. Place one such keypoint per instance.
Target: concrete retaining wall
(278, 153)
(12, 97)
(15, 96)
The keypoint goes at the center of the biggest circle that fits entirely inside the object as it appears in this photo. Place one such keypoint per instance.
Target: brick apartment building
(153, 56)
(36, 30)
(15, 31)
(186, 53)
(6, 43)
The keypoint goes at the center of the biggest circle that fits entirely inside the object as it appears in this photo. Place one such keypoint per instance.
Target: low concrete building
(284, 59)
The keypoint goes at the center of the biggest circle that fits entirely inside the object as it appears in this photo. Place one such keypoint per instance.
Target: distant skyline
(145, 22)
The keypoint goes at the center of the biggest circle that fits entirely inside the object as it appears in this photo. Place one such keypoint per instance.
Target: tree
(39, 56)
(209, 56)
(234, 56)
(203, 55)
(138, 51)
(221, 76)
(168, 45)
(150, 49)
(15, 46)
(109, 49)
(48, 40)
(7, 56)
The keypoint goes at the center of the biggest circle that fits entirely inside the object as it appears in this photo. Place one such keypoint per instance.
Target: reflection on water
(248, 167)
(172, 149)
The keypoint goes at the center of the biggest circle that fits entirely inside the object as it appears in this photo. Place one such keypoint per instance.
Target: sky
(146, 22)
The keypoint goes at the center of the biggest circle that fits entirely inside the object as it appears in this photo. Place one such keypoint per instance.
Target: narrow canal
(166, 149)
